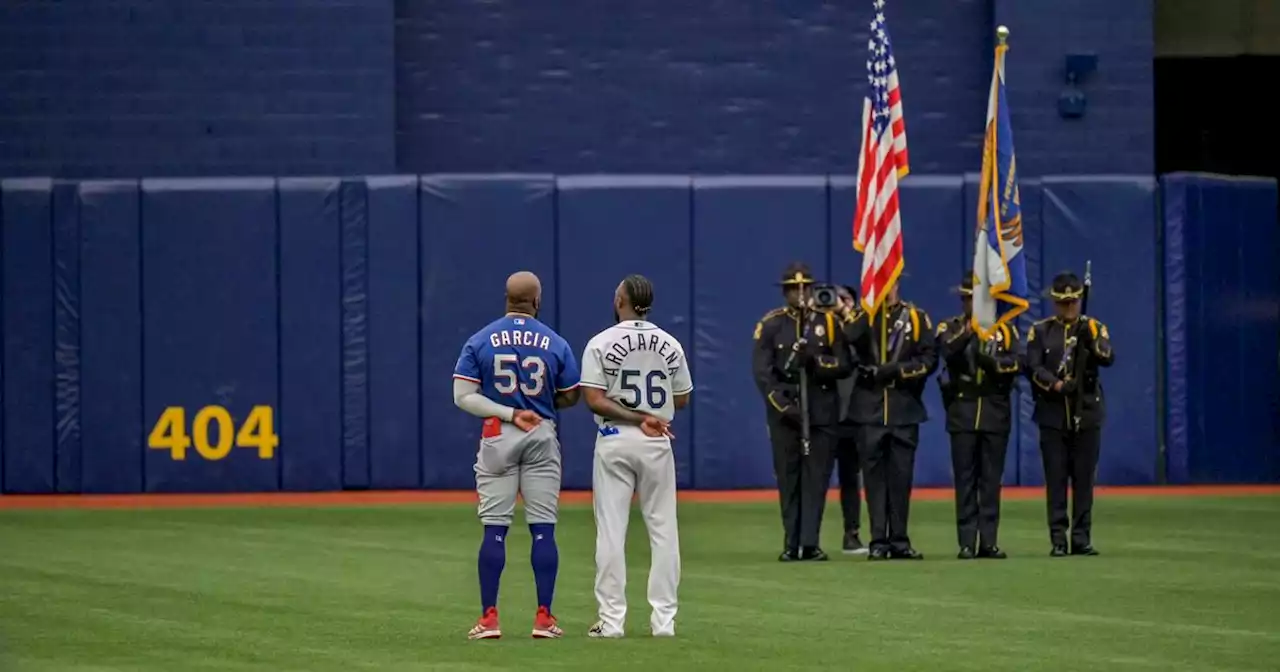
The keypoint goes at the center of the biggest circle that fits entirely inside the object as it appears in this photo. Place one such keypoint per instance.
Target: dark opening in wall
(1217, 114)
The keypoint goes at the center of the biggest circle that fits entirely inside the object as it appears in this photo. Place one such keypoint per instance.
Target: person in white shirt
(634, 378)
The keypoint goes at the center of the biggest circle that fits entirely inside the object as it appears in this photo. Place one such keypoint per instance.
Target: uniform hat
(796, 274)
(965, 288)
(1066, 287)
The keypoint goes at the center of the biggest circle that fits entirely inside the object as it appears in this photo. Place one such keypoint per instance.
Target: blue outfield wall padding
(394, 423)
(1179, 209)
(209, 326)
(1111, 220)
(66, 335)
(355, 334)
(111, 417)
(745, 231)
(1023, 465)
(608, 228)
(1221, 328)
(932, 210)
(310, 419)
(29, 432)
(475, 231)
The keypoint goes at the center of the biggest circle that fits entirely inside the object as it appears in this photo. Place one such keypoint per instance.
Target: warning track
(394, 497)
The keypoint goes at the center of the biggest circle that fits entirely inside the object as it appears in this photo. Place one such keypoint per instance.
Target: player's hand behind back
(656, 427)
(526, 420)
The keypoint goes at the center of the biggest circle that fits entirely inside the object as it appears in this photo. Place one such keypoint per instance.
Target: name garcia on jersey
(617, 352)
(517, 337)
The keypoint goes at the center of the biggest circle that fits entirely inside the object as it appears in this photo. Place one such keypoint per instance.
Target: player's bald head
(524, 292)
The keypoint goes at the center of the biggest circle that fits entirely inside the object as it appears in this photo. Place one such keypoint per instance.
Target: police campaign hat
(796, 274)
(965, 288)
(1066, 287)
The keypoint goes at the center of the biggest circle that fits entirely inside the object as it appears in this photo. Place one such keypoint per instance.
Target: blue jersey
(519, 362)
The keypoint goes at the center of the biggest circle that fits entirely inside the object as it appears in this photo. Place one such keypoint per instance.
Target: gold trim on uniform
(780, 409)
(913, 373)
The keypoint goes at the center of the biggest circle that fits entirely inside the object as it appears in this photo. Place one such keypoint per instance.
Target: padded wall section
(355, 334)
(111, 418)
(932, 220)
(745, 231)
(209, 328)
(1111, 220)
(310, 422)
(394, 456)
(66, 336)
(611, 227)
(475, 231)
(1221, 327)
(29, 414)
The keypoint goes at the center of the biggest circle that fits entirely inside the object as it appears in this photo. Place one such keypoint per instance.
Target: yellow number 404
(170, 432)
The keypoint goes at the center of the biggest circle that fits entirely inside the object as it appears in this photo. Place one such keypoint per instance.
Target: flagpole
(1002, 34)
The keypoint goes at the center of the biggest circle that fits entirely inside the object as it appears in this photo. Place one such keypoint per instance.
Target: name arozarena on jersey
(640, 342)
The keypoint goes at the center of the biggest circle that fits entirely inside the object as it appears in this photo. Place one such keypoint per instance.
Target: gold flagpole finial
(1002, 34)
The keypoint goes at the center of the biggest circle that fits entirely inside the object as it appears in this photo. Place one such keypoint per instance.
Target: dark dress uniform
(976, 390)
(895, 352)
(1070, 413)
(848, 468)
(803, 480)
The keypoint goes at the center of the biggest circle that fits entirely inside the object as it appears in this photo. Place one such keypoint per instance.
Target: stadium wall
(133, 88)
(259, 334)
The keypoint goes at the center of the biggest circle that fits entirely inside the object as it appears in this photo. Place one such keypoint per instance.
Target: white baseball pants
(630, 463)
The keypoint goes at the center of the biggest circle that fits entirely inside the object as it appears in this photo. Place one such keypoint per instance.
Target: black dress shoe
(789, 556)
(878, 553)
(813, 553)
(991, 552)
(853, 544)
(906, 554)
(1087, 549)
(1059, 551)
(966, 553)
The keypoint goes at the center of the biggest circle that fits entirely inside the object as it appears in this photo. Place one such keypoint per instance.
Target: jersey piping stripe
(594, 385)
(683, 391)
(566, 389)
(459, 376)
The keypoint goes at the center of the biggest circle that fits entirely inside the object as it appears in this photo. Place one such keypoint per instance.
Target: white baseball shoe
(598, 631)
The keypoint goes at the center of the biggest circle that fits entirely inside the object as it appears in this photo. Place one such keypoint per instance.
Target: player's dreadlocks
(639, 292)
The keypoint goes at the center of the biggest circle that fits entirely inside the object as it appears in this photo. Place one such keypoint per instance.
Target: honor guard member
(1064, 354)
(895, 352)
(848, 461)
(788, 340)
(976, 385)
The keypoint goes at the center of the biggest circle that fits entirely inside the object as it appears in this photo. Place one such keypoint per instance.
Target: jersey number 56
(654, 392)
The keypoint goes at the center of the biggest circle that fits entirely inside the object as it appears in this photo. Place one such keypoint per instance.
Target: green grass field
(1183, 584)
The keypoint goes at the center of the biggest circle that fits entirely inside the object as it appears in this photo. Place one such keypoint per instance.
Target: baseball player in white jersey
(634, 377)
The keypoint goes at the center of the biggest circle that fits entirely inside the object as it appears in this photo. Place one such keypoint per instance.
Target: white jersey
(638, 365)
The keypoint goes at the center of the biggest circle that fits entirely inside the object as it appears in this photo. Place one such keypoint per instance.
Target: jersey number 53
(507, 377)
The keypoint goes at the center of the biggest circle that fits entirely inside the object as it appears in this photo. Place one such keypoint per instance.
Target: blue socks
(545, 558)
(493, 556)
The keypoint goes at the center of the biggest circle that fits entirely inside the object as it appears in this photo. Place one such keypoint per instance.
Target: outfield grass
(1183, 584)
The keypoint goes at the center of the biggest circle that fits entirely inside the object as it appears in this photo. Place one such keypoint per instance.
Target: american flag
(877, 226)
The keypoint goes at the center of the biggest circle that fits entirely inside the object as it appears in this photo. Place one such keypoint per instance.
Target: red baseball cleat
(544, 625)
(487, 626)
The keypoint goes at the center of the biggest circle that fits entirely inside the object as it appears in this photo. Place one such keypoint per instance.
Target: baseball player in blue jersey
(515, 373)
